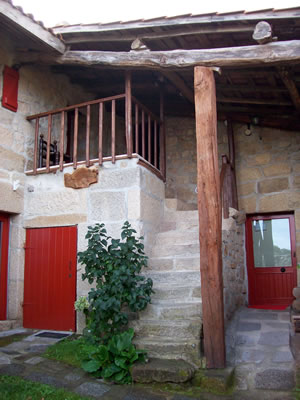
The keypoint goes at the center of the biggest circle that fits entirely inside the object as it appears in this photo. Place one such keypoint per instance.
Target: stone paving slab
(275, 338)
(245, 326)
(275, 379)
(92, 389)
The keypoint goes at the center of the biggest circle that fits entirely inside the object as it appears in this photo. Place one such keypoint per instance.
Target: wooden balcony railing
(144, 139)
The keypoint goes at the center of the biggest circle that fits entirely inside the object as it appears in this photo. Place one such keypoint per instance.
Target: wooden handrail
(69, 108)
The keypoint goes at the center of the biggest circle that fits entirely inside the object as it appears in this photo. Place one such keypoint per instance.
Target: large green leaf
(110, 371)
(91, 365)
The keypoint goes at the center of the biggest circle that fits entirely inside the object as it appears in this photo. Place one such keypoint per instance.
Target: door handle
(282, 269)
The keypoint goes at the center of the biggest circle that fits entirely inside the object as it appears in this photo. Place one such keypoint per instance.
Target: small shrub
(114, 360)
(114, 265)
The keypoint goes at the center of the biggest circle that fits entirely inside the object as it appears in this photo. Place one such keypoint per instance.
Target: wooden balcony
(97, 131)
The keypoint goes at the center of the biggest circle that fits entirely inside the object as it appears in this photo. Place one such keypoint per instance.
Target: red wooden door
(50, 278)
(4, 239)
(271, 259)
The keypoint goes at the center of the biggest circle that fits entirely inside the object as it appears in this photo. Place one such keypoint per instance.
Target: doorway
(4, 242)
(50, 278)
(271, 259)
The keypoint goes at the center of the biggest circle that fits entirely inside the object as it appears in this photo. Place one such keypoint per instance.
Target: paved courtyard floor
(257, 346)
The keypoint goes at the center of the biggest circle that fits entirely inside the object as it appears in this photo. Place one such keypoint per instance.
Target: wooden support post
(128, 113)
(62, 141)
(231, 146)
(209, 207)
(162, 138)
(87, 139)
(36, 141)
(48, 143)
(100, 139)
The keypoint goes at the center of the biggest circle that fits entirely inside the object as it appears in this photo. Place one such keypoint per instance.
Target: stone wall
(125, 191)
(39, 90)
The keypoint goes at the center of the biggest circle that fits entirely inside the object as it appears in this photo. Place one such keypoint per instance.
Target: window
(10, 88)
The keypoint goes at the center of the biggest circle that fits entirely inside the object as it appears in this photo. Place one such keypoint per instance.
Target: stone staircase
(9, 324)
(170, 327)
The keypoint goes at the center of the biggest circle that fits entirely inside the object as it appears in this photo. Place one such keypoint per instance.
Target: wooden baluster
(128, 113)
(36, 139)
(155, 145)
(62, 141)
(149, 138)
(41, 149)
(48, 142)
(162, 138)
(113, 131)
(87, 140)
(143, 135)
(75, 139)
(137, 129)
(100, 151)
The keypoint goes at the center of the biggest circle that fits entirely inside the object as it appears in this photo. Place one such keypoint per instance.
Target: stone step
(157, 370)
(185, 263)
(177, 237)
(179, 329)
(188, 350)
(161, 250)
(170, 310)
(177, 293)
(9, 324)
(184, 278)
(179, 216)
(173, 204)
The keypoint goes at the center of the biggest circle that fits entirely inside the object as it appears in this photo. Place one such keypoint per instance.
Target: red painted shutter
(10, 88)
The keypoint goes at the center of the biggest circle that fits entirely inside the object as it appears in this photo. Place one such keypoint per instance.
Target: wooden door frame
(4, 218)
(249, 245)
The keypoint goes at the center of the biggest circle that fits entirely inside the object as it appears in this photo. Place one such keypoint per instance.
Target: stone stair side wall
(234, 266)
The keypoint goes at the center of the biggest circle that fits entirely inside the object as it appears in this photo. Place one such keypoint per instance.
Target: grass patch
(6, 340)
(15, 388)
(72, 350)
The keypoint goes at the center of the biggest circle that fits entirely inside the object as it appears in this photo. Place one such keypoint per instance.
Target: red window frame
(10, 88)
(4, 242)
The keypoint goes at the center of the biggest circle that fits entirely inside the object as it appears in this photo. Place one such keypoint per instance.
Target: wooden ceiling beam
(250, 88)
(179, 83)
(268, 54)
(237, 100)
(291, 87)
(183, 31)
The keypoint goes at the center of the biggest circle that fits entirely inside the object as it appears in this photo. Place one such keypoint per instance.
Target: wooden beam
(269, 54)
(209, 208)
(179, 83)
(85, 37)
(242, 18)
(291, 87)
(249, 88)
(238, 100)
(28, 26)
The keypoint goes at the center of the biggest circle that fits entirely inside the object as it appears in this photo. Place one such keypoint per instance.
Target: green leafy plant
(114, 265)
(114, 360)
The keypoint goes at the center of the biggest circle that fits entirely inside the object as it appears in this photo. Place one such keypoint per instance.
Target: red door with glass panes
(4, 240)
(50, 278)
(271, 259)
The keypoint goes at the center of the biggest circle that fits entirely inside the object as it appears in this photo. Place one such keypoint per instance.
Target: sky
(54, 12)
